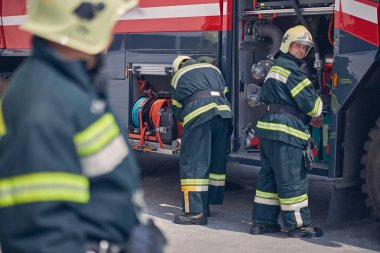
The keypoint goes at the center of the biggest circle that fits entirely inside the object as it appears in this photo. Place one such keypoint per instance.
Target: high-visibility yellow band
(335, 103)
(280, 70)
(194, 181)
(217, 176)
(97, 135)
(289, 201)
(266, 195)
(176, 103)
(226, 90)
(299, 87)
(283, 128)
(186, 69)
(3, 128)
(345, 81)
(204, 109)
(43, 187)
(296, 206)
(316, 107)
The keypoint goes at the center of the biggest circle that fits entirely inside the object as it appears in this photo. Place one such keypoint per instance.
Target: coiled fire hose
(146, 112)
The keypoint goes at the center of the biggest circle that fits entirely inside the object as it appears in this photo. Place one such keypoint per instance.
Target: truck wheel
(371, 170)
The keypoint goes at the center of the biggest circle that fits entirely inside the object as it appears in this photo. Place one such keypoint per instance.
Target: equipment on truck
(153, 120)
(251, 142)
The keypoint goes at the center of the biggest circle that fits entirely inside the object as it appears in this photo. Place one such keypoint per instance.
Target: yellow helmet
(177, 62)
(298, 34)
(84, 25)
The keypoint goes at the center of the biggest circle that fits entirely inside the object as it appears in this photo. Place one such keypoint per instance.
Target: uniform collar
(188, 63)
(73, 69)
(292, 58)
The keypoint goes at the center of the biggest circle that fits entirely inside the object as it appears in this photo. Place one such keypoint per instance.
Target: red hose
(155, 115)
(330, 29)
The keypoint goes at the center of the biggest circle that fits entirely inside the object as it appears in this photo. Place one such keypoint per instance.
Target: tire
(371, 170)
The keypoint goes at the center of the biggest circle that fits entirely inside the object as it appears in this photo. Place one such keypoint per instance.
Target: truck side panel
(359, 18)
(183, 15)
(13, 16)
(172, 15)
(355, 101)
(355, 55)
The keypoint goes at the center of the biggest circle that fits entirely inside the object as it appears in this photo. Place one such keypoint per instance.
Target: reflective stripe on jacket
(287, 84)
(194, 77)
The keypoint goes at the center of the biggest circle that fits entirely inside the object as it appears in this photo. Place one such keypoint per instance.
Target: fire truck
(241, 38)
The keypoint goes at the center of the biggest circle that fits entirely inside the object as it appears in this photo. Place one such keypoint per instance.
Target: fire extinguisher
(251, 141)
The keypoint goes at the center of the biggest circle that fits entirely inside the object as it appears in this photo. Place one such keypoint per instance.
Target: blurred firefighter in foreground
(68, 180)
(199, 103)
(283, 131)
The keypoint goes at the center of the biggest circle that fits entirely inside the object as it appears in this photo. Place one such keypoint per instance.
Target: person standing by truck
(292, 102)
(199, 103)
(68, 180)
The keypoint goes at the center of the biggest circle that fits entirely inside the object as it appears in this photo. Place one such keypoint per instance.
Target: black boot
(258, 229)
(207, 211)
(308, 231)
(190, 219)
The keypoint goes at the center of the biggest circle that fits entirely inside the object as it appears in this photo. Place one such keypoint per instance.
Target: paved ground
(227, 230)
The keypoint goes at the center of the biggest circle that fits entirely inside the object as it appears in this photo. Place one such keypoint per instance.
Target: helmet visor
(305, 42)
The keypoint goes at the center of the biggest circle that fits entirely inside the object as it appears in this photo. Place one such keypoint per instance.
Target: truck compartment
(260, 26)
(152, 125)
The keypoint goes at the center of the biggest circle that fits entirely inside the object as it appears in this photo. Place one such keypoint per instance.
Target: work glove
(316, 122)
(146, 238)
(308, 155)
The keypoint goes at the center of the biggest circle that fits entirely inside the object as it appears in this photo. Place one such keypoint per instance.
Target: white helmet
(298, 34)
(177, 62)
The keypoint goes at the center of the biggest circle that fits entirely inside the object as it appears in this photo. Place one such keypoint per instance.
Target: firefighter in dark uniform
(68, 180)
(199, 103)
(292, 101)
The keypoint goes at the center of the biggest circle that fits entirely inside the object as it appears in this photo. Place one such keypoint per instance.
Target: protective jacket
(207, 125)
(190, 79)
(287, 84)
(282, 182)
(67, 175)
